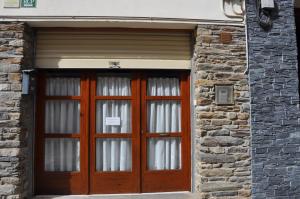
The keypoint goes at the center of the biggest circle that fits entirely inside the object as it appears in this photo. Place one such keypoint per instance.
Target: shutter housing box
(135, 49)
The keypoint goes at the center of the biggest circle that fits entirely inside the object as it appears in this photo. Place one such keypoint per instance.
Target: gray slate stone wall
(274, 105)
(222, 133)
(15, 111)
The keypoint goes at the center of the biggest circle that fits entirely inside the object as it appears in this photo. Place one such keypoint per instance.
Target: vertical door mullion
(92, 141)
(40, 129)
(84, 118)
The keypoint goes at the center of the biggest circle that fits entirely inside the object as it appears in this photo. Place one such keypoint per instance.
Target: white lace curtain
(113, 154)
(164, 116)
(62, 117)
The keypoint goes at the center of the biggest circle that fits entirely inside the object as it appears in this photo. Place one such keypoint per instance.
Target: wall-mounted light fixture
(26, 81)
(267, 11)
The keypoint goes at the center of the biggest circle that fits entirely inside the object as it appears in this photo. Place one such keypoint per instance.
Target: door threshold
(138, 194)
(156, 195)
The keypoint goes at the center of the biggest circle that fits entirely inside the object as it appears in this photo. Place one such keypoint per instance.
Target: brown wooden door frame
(61, 182)
(167, 180)
(140, 179)
(117, 181)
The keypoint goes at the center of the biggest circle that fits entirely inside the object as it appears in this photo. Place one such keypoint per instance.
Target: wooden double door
(112, 132)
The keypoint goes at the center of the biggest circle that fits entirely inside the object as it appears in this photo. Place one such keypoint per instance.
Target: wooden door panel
(161, 181)
(54, 184)
(120, 179)
(172, 124)
(113, 183)
(58, 180)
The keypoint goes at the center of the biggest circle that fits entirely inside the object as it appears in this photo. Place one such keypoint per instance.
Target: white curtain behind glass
(163, 87)
(62, 154)
(62, 117)
(164, 153)
(113, 108)
(113, 154)
(113, 86)
(59, 86)
(164, 116)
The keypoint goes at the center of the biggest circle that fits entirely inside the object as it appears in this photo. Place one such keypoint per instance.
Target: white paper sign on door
(112, 121)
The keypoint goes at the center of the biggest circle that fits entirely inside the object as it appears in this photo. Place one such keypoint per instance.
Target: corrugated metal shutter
(102, 48)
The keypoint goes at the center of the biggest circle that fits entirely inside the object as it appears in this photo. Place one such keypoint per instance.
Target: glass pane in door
(113, 116)
(113, 86)
(163, 86)
(164, 153)
(62, 154)
(163, 116)
(62, 116)
(63, 86)
(113, 154)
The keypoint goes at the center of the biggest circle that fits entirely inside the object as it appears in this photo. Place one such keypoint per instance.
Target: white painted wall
(175, 9)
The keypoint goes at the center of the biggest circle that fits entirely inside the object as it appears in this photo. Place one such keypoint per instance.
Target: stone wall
(274, 104)
(222, 132)
(15, 55)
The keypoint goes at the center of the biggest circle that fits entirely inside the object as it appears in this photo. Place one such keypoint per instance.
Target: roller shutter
(113, 48)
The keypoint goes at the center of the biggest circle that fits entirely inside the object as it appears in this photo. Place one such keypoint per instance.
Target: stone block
(217, 158)
(206, 115)
(5, 87)
(14, 77)
(225, 194)
(243, 116)
(222, 141)
(220, 122)
(244, 193)
(16, 87)
(217, 172)
(16, 43)
(7, 189)
(232, 115)
(219, 132)
(10, 180)
(220, 186)
(9, 152)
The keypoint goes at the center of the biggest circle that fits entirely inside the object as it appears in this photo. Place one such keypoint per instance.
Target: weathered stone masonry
(15, 117)
(222, 132)
(274, 104)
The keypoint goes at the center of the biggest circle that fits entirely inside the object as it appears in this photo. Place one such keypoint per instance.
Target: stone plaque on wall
(224, 94)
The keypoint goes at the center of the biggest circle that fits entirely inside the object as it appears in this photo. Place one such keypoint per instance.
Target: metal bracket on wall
(114, 64)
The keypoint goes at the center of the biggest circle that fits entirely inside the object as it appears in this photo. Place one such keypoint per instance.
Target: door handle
(163, 135)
